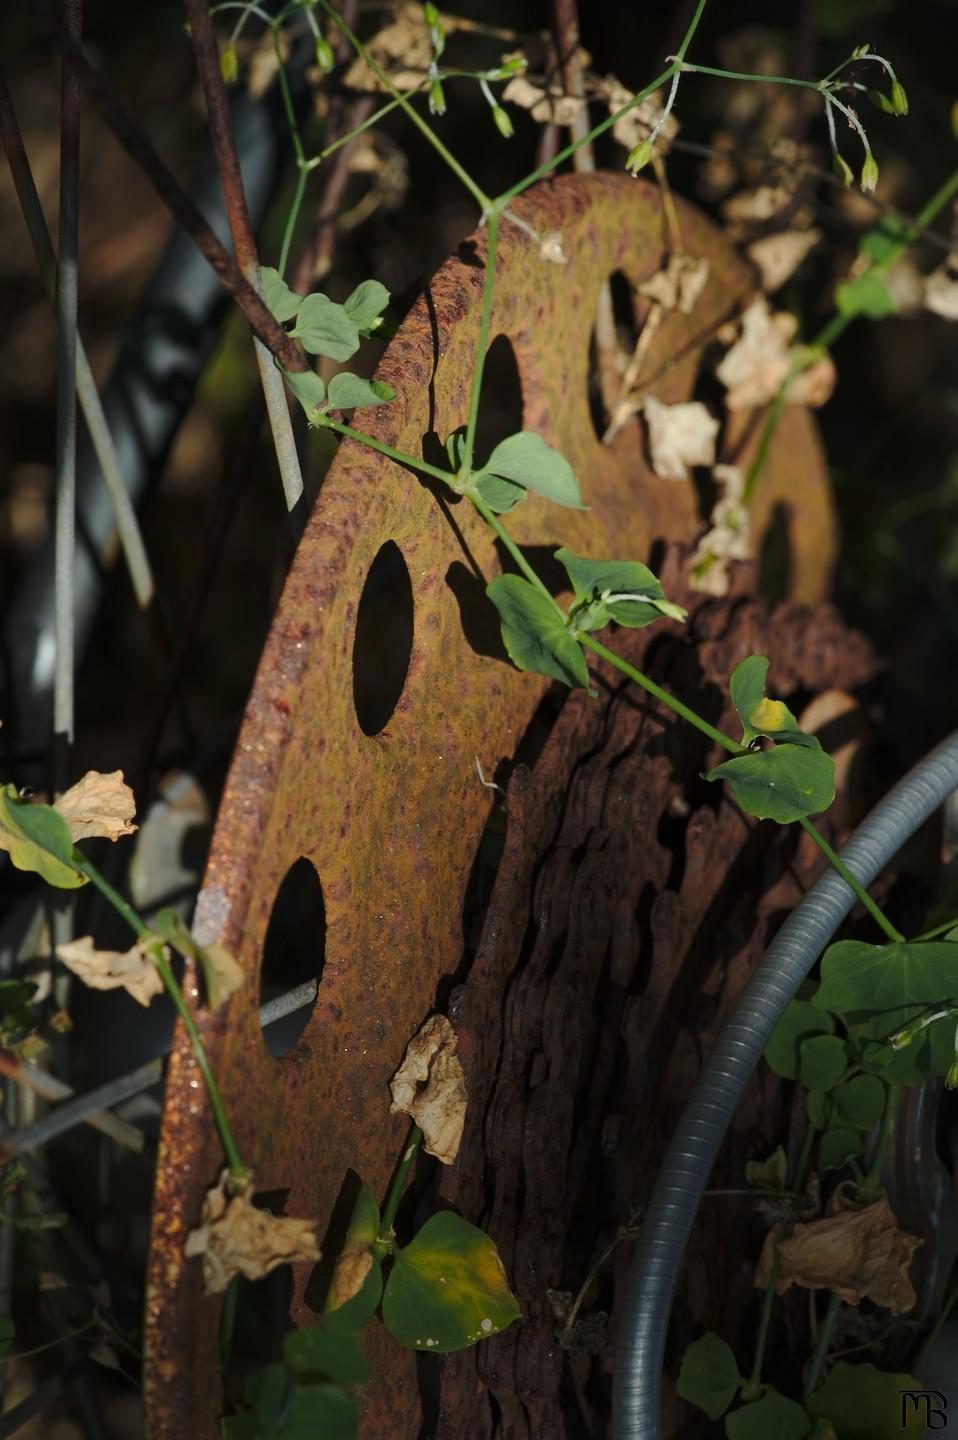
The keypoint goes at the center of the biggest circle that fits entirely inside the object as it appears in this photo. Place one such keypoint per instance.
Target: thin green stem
(873, 1173)
(825, 1331)
(838, 864)
(670, 700)
(492, 519)
(291, 218)
(768, 1300)
(935, 930)
(142, 931)
(398, 1187)
(316, 160)
(479, 195)
(399, 456)
(745, 75)
(296, 138)
(483, 341)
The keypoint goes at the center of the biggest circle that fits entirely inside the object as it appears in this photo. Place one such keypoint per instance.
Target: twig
(141, 151)
(244, 243)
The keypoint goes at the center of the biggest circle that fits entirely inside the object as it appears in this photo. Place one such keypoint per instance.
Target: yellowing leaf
(133, 971)
(99, 804)
(857, 1252)
(679, 436)
(236, 1238)
(430, 1087)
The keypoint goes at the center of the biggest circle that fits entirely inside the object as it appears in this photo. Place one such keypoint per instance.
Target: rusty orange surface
(392, 821)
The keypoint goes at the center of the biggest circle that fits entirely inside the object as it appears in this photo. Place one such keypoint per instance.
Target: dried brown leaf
(777, 257)
(235, 1238)
(403, 50)
(133, 971)
(941, 289)
(549, 104)
(679, 285)
(99, 804)
(728, 538)
(761, 359)
(430, 1087)
(639, 122)
(679, 436)
(857, 1252)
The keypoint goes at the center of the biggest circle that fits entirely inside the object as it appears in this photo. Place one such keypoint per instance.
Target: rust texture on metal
(392, 822)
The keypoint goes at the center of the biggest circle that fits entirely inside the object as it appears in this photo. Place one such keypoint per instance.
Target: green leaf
(267, 1391)
(865, 1403)
(860, 1102)
(326, 329)
(836, 1147)
(319, 1353)
(315, 1411)
(865, 295)
(770, 1174)
(534, 632)
(347, 391)
(362, 1233)
(15, 995)
(930, 1053)
(366, 303)
(781, 784)
(308, 388)
(38, 839)
(500, 495)
(709, 1376)
(282, 302)
(621, 590)
(878, 989)
(823, 1060)
(800, 1021)
(447, 1288)
(773, 1415)
(527, 460)
(879, 242)
(244, 1426)
(7, 1333)
(758, 714)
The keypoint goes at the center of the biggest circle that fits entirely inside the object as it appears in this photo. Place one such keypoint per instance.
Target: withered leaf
(941, 289)
(679, 285)
(639, 122)
(857, 1252)
(679, 436)
(761, 360)
(430, 1087)
(403, 49)
(99, 804)
(235, 1238)
(549, 105)
(133, 971)
(777, 257)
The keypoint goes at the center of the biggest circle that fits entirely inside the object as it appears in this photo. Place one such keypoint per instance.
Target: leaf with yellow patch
(357, 1284)
(38, 839)
(759, 715)
(448, 1288)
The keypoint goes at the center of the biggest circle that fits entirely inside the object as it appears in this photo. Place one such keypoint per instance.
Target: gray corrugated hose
(644, 1320)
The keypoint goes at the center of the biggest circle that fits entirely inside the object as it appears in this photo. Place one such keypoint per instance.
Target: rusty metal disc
(391, 820)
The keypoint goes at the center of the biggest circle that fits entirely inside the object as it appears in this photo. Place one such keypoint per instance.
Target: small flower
(843, 170)
(899, 99)
(325, 58)
(869, 177)
(503, 122)
(229, 64)
(639, 157)
(437, 99)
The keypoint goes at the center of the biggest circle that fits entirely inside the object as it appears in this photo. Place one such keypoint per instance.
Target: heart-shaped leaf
(282, 302)
(774, 1415)
(319, 1353)
(800, 1021)
(837, 1146)
(823, 1060)
(865, 1403)
(347, 392)
(357, 1284)
(308, 388)
(709, 1376)
(534, 632)
(366, 303)
(527, 460)
(447, 1288)
(782, 784)
(878, 989)
(326, 329)
(759, 715)
(621, 590)
(500, 495)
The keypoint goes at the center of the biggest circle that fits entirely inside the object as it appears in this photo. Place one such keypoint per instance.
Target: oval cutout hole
(605, 372)
(500, 414)
(383, 642)
(294, 952)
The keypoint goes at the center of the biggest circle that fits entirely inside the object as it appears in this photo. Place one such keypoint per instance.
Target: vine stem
(141, 930)
(492, 519)
(397, 1187)
(874, 910)
(485, 320)
(663, 695)
(389, 451)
